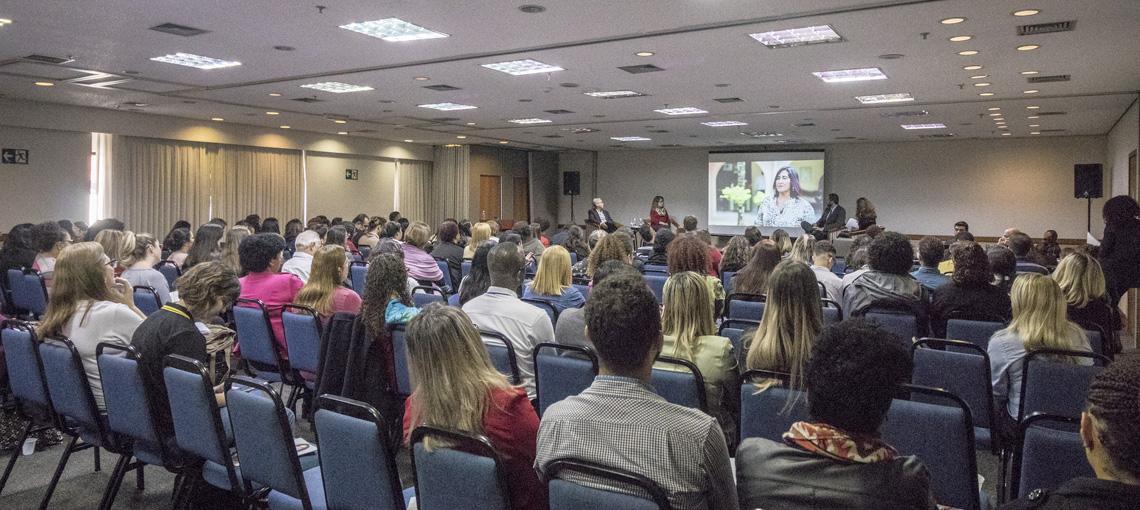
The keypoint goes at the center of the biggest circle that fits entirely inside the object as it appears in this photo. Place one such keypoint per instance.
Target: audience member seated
(530, 244)
(117, 245)
(389, 246)
(446, 249)
(540, 227)
(1006, 235)
(48, 239)
(140, 266)
(500, 310)
(261, 256)
(753, 235)
(865, 214)
(177, 244)
(101, 225)
(293, 228)
(838, 459)
(688, 253)
(1039, 322)
(1082, 282)
(822, 260)
(301, 263)
(714, 256)
(371, 234)
(231, 248)
(930, 253)
(1120, 248)
(575, 242)
(392, 230)
(1022, 247)
(609, 247)
(325, 291)
(735, 255)
(207, 245)
(690, 334)
(17, 252)
(456, 387)
(478, 279)
(793, 319)
(857, 258)
(90, 305)
(753, 278)
(969, 292)
(888, 283)
(1050, 250)
(947, 266)
(803, 249)
(783, 241)
(204, 291)
(480, 232)
(552, 281)
(420, 263)
(1003, 264)
(386, 283)
(620, 422)
(1111, 439)
(571, 326)
(659, 257)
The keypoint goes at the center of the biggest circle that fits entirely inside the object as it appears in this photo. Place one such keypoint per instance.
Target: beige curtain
(155, 183)
(414, 182)
(451, 182)
(249, 180)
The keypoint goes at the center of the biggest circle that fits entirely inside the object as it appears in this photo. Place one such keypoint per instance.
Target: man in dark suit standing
(600, 218)
(833, 218)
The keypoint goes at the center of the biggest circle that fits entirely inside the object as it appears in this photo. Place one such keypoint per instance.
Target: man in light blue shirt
(930, 253)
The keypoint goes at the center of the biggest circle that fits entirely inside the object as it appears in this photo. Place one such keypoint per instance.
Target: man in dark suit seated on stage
(833, 218)
(600, 218)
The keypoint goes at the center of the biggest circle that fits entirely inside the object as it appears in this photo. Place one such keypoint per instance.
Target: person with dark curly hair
(48, 239)
(969, 291)
(177, 246)
(736, 254)
(261, 256)
(1120, 250)
(17, 251)
(888, 283)
(610, 247)
(838, 459)
(689, 253)
(386, 297)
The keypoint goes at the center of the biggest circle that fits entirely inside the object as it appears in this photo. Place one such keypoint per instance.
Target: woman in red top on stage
(659, 216)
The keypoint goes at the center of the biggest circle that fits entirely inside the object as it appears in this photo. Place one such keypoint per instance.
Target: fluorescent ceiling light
(1027, 73)
(529, 121)
(986, 94)
(761, 134)
(797, 36)
(924, 126)
(45, 84)
(336, 87)
(522, 67)
(1028, 47)
(724, 123)
(630, 138)
(845, 75)
(614, 94)
(217, 119)
(885, 98)
(982, 84)
(968, 53)
(195, 61)
(1031, 91)
(994, 109)
(952, 21)
(972, 68)
(1026, 12)
(1033, 107)
(393, 30)
(685, 110)
(447, 106)
(961, 38)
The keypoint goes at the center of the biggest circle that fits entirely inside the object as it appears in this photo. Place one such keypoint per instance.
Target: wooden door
(522, 199)
(490, 197)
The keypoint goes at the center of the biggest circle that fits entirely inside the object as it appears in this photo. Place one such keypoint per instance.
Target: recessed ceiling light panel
(972, 68)
(630, 138)
(968, 53)
(530, 121)
(798, 36)
(961, 38)
(393, 30)
(952, 21)
(446, 107)
(923, 126)
(615, 94)
(522, 67)
(195, 61)
(761, 134)
(1025, 12)
(336, 87)
(724, 123)
(685, 110)
(1028, 47)
(845, 75)
(885, 98)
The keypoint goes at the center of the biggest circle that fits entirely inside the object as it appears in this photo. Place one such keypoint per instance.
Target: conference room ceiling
(702, 48)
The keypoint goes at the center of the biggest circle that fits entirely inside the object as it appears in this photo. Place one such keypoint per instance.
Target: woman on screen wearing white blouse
(785, 208)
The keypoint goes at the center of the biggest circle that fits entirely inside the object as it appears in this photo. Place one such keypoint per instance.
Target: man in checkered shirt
(620, 422)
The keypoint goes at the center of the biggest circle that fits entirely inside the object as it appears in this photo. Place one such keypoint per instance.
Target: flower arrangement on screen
(740, 198)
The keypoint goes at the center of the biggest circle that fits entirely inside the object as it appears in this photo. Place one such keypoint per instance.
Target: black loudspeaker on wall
(571, 182)
(1088, 181)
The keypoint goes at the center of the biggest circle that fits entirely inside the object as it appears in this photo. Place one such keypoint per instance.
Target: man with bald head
(500, 310)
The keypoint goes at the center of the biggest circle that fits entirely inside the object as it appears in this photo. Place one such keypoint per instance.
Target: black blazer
(833, 220)
(593, 219)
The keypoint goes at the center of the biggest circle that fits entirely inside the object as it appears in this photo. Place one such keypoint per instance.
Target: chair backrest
(129, 411)
(170, 271)
(726, 281)
(263, 438)
(1048, 456)
(453, 300)
(302, 330)
(745, 306)
(655, 270)
(146, 299)
(832, 316)
(423, 295)
(466, 475)
(25, 372)
(502, 354)
(198, 427)
(1055, 387)
(734, 330)
(357, 274)
(558, 376)
(545, 306)
(400, 359)
(911, 427)
(67, 385)
(973, 331)
(963, 371)
(903, 324)
(656, 284)
(28, 291)
(764, 409)
(446, 270)
(1029, 267)
(680, 382)
(357, 467)
(1097, 342)
(254, 333)
(465, 267)
(567, 495)
(584, 290)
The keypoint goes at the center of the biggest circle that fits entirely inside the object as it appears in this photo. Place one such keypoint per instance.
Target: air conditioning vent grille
(308, 100)
(44, 59)
(175, 29)
(644, 68)
(441, 87)
(1049, 79)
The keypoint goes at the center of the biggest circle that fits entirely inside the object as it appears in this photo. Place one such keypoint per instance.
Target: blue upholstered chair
(170, 271)
(502, 353)
(734, 330)
(745, 306)
(146, 299)
(357, 466)
(769, 409)
(963, 371)
(468, 475)
(423, 295)
(357, 274)
(902, 323)
(656, 270)
(557, 376)
(29, 293)
(257, 343)
(680, 382)
(977, 332)
(567, 495)
(303, 330)
(545, 306)
(400, 359)
(1048, 456)
(656, 284)
(1054, 387)
(726, 281)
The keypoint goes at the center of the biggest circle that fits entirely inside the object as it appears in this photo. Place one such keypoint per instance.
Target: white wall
(332, 195)
(917, 187)
(1123, 140)
(54, 183)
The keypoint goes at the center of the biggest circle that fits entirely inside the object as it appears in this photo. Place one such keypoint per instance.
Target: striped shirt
(620, 422)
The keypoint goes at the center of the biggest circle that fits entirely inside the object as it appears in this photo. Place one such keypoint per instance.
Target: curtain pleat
(415, 191)
(250, 180)
(451, 182)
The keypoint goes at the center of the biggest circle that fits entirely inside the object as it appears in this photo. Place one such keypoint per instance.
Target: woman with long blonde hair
(690, 334)
(231, 246)
(1039, 322)
(325, 292)
(802, 249)
(117, 245)
(90, 305)
(479, 232)
(552, 281)
(455, 386)
(1082, 280)
(793, 318)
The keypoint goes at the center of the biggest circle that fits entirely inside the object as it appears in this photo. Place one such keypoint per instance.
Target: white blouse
(795, 210)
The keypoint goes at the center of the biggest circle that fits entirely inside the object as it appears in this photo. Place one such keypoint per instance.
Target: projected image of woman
(784, 207)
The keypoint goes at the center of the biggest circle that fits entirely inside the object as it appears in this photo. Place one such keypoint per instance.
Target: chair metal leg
(15, 455)
(140, 482)
(58, 471)
(98, 464)
(117, 476)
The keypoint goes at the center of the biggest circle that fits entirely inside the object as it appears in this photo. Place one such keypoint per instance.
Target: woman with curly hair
(689, 253)
(865, 213)
(610, 247)
(735, 254)
(386, 297)
(969, 290)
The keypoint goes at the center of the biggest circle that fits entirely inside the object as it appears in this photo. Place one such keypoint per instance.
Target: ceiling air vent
(911, 113)
(804, 124)
(558, 111)
(182, 30)
(441, 87)
(1046, 28)
(644, 68)
(1053, 130)
(658, 130)
(365, 131)
(552, 136)
(444, 119)
(580, 130)
(308, 100)
(1048, 79)
(845, 138)
(1049, 114)
(669, 145)
(44, 59)
(940, 135)
(729, 100)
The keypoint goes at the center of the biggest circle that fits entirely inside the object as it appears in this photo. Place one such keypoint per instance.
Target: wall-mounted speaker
(1088, 180)
(571, 183)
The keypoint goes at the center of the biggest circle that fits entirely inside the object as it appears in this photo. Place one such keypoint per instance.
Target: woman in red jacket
(659, 216)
